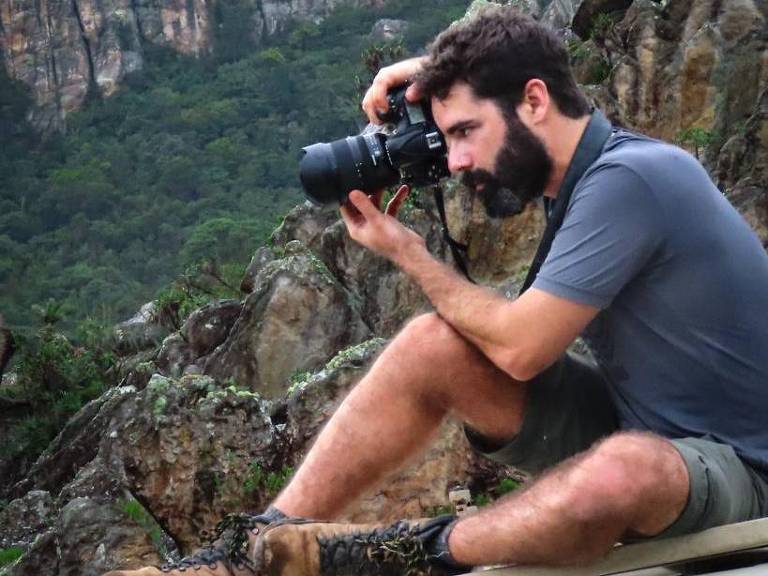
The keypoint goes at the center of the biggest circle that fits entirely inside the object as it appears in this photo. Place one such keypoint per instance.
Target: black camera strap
(458, 249)
(588, 150)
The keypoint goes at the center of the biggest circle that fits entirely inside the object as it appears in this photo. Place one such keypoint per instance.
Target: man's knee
(432, 338)
(627, 472)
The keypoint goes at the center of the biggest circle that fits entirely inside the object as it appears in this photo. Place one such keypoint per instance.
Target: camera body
(409, 148)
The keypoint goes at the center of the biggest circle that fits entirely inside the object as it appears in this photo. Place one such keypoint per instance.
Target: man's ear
(536, 102)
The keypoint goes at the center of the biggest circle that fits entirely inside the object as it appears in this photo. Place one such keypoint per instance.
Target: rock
(305, 223)
(24, 518)
(207, 327)
(141, 332)
(175, 355)
(94, 536)
(272, 16)
(65, 50)
(76, 445)
(188, 448)
(261, 258)
(388, 30)
(587, 11)
(499, 250)
(41, 558)
(387, 297)
(672, 65)
(559, 13)
(296, 318)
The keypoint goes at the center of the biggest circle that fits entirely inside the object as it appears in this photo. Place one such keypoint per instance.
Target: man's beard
(522, 170)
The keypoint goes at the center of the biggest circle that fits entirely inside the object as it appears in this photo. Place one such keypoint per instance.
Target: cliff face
(64, 49)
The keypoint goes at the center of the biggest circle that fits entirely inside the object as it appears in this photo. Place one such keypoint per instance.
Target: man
(663, 278)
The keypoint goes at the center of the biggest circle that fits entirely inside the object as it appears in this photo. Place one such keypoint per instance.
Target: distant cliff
(65, 49)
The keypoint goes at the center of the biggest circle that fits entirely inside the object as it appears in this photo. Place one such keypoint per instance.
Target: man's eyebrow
(460, 125)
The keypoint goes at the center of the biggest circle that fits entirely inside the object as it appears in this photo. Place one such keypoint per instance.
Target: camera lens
(329, 171)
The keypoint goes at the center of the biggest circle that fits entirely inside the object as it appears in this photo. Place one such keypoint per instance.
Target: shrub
(10, 555)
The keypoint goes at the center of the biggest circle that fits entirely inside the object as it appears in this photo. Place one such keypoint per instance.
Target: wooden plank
(625, 558)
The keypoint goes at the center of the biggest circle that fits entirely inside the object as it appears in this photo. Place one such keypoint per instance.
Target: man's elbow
(521, 365)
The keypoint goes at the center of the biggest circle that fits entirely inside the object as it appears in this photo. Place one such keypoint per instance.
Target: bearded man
(662, 434)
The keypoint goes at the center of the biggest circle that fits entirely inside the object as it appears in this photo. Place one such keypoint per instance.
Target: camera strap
(458, 250)
(590, 146)
(588, 150)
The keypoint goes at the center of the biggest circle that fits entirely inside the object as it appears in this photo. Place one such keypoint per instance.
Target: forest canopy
(191, 160)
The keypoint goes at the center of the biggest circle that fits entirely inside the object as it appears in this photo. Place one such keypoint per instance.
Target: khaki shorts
(569, 408)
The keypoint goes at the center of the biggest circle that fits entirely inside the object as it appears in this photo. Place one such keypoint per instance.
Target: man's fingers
(376, 199)
(364, 204)
(413, 93)
(375, 100)
(393, 206)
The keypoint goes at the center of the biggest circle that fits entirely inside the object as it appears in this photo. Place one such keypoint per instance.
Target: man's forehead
(459, 94)
(459, 105)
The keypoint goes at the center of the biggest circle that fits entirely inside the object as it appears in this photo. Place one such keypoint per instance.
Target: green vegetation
(136, 512)
(10, 555)
(196, 287)
(191, 162)
(602, 26)
(587, 55)
(54, 380)
(271, 483)
(695, 139)
(505, 486)
(354, 353)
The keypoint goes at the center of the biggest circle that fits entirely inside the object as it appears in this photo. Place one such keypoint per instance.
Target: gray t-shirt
(682, 283)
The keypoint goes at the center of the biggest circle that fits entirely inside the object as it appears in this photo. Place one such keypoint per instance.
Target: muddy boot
(227, 555)
(309, 548)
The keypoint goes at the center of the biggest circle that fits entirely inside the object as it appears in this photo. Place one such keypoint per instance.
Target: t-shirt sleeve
(611, 230)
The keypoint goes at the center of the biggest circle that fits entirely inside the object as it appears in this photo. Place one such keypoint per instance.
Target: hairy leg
(630, 482)
(427, 371)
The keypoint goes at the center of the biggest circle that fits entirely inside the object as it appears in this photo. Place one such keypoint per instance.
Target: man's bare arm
(521, 337)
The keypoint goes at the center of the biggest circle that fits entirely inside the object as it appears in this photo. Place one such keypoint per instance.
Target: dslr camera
(408, 148)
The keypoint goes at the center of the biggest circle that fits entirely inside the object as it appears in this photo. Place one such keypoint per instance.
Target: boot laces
(227, 544)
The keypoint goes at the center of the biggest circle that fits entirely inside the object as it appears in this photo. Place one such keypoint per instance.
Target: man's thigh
(568, 408)
(723, 489)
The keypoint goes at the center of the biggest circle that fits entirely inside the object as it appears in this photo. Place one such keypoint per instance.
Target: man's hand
(376, 230)
(375, 100)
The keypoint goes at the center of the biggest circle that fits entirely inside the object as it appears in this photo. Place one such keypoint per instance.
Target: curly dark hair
(497, 51)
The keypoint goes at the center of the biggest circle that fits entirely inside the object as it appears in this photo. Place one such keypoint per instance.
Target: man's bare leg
(631, 482)
(427, 371)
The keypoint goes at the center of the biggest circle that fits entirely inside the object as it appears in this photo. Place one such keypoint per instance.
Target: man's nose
(458, 161)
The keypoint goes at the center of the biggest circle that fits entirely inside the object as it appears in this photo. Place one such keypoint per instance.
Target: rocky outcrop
(296, 318)
(388, 30)
(271, 16)
(63, 50)
(143, 330)
(170, 460)
(692, 73)
(683, 65)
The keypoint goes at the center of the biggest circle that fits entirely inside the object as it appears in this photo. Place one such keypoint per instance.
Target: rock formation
(63, 50)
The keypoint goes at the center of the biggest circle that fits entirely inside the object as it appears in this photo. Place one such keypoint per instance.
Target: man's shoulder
(632, 163)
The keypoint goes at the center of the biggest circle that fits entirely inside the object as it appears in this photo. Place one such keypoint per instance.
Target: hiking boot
(226, 555)
(308, 548)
